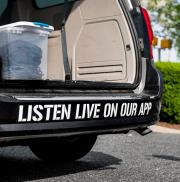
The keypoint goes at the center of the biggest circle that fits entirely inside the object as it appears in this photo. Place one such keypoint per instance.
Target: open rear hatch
(94, 43)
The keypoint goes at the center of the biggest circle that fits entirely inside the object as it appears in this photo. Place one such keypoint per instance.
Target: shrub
(171, 96)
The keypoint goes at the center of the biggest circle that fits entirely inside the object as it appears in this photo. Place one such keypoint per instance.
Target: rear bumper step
(14, 133)
(37, 117)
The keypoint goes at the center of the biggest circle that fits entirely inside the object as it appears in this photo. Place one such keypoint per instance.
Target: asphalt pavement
(115, 158)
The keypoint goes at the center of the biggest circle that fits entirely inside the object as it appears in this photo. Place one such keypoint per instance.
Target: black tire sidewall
(63, 149)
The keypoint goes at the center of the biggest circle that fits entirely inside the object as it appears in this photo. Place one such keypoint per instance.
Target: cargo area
(92, 40)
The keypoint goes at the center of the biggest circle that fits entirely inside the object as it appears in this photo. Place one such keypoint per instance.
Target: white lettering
(77, 112)
(110, 110)
(141, 111)
(21, 111)
(56, 112)
(145, 109)
(97, 111)
(39, 115)
(123, 110)
(29, 113)
(48, 111)
(66, 112)
(107, 110)
(128, 109)
(87, 111)
(134, 109)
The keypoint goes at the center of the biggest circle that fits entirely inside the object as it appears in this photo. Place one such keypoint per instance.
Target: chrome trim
(76, 98)
(141, 87)
(129, 4)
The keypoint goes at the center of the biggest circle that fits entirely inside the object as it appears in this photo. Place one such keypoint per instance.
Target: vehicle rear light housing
(149, 29)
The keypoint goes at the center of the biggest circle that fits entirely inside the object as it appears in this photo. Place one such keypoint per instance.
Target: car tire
(63, 149)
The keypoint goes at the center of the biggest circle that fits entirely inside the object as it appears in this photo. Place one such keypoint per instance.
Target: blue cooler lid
(38, 25)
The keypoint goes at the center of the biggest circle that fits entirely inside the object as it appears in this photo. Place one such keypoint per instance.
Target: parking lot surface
(114, 158)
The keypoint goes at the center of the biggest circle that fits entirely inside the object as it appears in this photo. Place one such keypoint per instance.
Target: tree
(166, 13)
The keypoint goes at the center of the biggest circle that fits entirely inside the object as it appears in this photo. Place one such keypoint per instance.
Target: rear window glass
(3, 5)
(48, 3)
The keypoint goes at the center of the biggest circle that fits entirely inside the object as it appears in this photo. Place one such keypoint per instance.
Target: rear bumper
(121, 120)
(127, 111)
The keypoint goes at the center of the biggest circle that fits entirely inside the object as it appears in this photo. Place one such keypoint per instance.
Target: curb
(160, 129)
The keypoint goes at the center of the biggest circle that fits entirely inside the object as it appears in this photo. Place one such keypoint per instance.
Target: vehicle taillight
(149, 29)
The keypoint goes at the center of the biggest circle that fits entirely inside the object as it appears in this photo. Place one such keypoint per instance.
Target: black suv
(100, 77)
